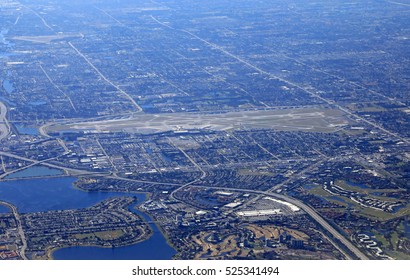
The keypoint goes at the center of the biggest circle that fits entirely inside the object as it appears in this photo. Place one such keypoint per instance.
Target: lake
(407, 228)
(8, 86)
(27, 130)
(37, 195)
(155, 248)
(4, 209)
(35, 171)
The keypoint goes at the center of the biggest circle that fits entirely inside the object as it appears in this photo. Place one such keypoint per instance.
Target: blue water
(407, 228)
(37, 103)
(8, 86)
(155, 248)
(4, 209)
(35, 171)
(27, 130)
(59, 194)
(147, 106)
(37, 195)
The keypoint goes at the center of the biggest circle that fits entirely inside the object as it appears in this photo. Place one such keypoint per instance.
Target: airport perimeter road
(310, 211)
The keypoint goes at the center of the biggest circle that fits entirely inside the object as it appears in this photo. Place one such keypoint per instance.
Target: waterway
(37, 195)
(27, 130)
(35, 171)
(37, 103)
(8, 86)
(155, 248)
(407, 228)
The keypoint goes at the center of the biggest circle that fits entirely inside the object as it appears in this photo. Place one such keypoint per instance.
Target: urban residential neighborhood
(197, 130)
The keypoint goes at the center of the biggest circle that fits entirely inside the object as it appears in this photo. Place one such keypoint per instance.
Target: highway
(399, 3)
(38, 15)
(310, 211)
(126, 95)
(58, 88)
(203, 173)
(293, 84)
(20, 228)
(77, 172)
(45, 163)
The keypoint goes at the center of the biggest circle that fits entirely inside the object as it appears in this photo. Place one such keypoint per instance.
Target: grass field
(368, 212)
(390, 243)
(211, 250)
(228, 245)
(103, 235)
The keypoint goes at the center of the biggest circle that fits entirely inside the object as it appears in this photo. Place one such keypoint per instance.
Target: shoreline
(134, 207)
(162, 232)
(51, 251)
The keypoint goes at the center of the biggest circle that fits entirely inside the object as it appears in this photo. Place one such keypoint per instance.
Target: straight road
(126, 95)
(293, 84)
(310, 211)
(45, 163)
